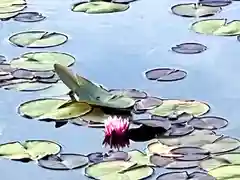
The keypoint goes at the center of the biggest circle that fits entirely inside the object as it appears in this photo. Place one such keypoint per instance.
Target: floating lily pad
(55, 90)
(184, 175)
(155, 123)
(190, 153)
(98, 7)
(182, 165)
(38, 39)
(64, 162)
(160, 161)
(95, 116)
(39, 107)
(99, 157)
(54, 79)
(27, 86)
(5, 3)
(220, 160)
(179, 131)
(2, 59)
(11, 8)
(159, 149)
(4, 67)
(215, 3)
(67, 111)
(29, 17)
(140, 158)
(7, 16)
(22, 74)
(194, 10)
(5, 77)
(132, 93)
(30, 149)
(165, 74)
(147, 104)
(13, 81)
(123, 1)
(208, 122)
(189, 48)
(178, 107)
(43, 74)
(91, 93)
(229, 172)
(42, 61)
(222, 145)
(117, 170)
(219, 27)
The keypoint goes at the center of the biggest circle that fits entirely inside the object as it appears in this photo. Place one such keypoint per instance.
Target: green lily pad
(38, 39)
(178, 107)
(12, 9)
(220, 160)
(4, 3)
(140, 158)
(6, 16)
(229, 172)
(30, 149)
(28, 86)
(67, 111)
(194, 10)
(98, 7)
(39, 107)
(117, 170)
(42, 61)
(219, 27)
(55, 90)
(91, 93)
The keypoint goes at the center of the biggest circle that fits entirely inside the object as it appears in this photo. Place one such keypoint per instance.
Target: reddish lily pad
(165, 74)
(29, 17)
(99, 157)
(155, 123)
(189, 48)
(215, 3)
(176, 130)
(208, 122)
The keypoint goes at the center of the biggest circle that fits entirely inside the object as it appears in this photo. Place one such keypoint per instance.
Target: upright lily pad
(165, 74)
(117, 170)
(178, 107)
(42, 61)
(29, 17)
(65, 161)
(67, 111)
(39, 107)
(91, 93)
(189, 48)
(30, 149)
(38, 39)
(98, 7)
(194, 10)
(208, 122)
(219, 27)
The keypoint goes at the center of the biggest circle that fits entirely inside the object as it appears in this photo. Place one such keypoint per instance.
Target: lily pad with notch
(65, 161)
(147, 104)
(91, 93)
(38, 39)
(154, 123)
(208, 122)
(215, 3)
(165, 74)
(99, 7)
(194, 10)
(29, 150)
(110, 156)
(218, 27)
(29, 17)
(189, 48)
(179, 130)
(184, 175)
(41, 61)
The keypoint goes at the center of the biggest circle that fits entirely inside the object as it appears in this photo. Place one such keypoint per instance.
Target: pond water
(115, 50)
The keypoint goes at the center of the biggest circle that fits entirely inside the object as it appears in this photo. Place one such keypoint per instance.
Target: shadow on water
(115, 50)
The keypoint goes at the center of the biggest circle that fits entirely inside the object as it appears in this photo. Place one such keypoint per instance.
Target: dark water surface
(115, 50)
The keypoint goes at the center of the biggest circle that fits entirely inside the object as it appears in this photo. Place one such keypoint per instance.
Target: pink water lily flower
(116, 132)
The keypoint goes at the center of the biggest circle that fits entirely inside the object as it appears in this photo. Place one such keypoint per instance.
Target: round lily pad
(160, 161)
(118, 170)
(38, 39)
(27, 86)
(176, 130)
(51, 80)
(194, 10)
(30, 149)
(99, 157)
(155, 123)
(22, 74)
(7, 16)
(5, 67)
(189, 48)
(42, 61)
(39, 107)
(65, 161)
(147, 104)
(98, 7)
(184, 175)
(219, 27)
(190, 153)
(29, 17)
(165, 74)
(215, 3)
(123, 1)
(43, 74)
(208, 122)
(228, 172)
(182, 165)
(133, 93)
(95, 116)
(11, 8)
(178, 107)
